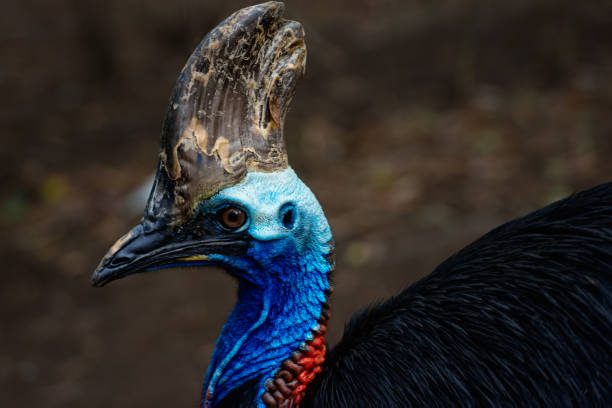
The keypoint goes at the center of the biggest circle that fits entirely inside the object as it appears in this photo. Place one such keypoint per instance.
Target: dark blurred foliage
(420, 125)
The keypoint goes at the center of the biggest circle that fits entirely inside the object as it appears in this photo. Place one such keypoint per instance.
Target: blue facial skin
(282, 279)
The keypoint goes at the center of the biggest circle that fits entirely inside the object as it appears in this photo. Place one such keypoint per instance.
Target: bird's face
(254, 229)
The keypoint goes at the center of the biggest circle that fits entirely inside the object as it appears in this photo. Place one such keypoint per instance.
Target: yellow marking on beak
(194, 258)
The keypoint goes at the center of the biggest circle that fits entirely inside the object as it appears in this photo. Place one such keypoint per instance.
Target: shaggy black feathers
(521, 317)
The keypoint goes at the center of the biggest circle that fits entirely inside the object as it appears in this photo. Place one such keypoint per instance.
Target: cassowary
(521, 317)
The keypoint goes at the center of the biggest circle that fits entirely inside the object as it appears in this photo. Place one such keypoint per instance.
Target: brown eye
(232, 217)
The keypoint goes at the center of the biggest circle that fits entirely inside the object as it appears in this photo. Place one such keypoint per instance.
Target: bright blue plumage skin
(282, 278)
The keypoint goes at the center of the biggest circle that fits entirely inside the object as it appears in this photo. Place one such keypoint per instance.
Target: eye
(231, 218)
(288, 217)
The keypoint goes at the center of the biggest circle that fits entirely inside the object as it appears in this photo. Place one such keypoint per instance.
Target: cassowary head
(225, 195)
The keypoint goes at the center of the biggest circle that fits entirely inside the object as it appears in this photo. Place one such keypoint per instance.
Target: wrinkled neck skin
(283, 280)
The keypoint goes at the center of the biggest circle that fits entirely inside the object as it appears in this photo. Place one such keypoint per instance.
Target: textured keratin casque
(521, 317)
(226, 113)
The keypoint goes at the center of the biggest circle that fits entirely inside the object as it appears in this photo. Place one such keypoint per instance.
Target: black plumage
(521, 317)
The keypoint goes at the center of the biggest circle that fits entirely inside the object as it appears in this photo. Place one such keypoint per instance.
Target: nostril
(120, 260)
(289, 218)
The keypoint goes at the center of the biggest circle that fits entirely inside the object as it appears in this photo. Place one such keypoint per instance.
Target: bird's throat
(289, 384)
(274, 335)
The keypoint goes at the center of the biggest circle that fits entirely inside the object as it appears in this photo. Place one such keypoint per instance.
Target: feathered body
(521, 317)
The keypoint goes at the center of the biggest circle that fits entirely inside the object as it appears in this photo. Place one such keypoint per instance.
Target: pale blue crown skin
(283, 280)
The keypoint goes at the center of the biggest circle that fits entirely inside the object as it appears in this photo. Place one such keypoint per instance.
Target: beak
(140, 251)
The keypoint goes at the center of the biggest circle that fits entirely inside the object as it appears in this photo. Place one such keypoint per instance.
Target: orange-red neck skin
(289, 385)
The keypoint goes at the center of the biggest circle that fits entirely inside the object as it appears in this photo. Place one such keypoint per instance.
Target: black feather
(521, 317)
(244, 396)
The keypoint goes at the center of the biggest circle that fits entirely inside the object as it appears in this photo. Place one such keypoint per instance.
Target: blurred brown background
(420, 125)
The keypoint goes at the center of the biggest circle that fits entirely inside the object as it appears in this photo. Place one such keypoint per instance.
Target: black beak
(140, 250)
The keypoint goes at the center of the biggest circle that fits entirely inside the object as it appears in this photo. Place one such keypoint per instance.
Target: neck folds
(288, 386)
(270, 326)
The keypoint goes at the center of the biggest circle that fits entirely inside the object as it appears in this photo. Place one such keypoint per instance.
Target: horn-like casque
(226, 113)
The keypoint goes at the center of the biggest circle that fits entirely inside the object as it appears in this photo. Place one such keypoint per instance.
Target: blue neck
(272, 318)
(283, 280)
